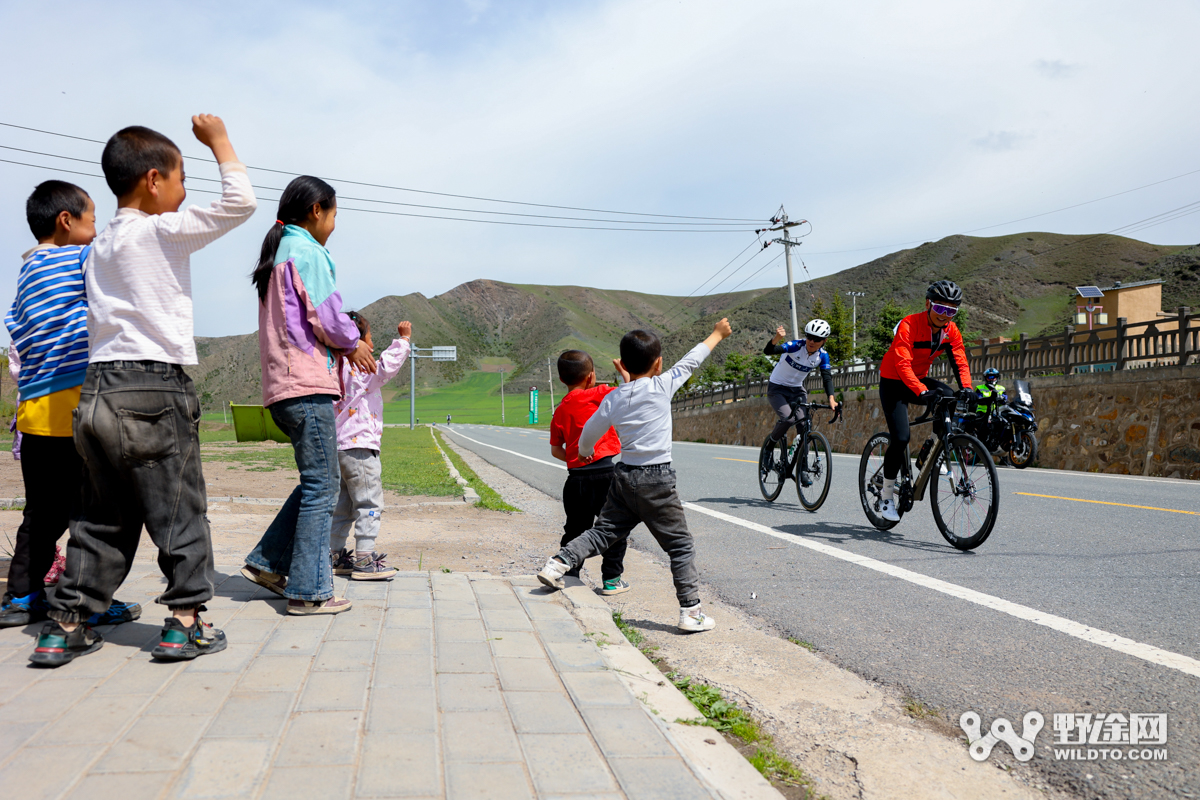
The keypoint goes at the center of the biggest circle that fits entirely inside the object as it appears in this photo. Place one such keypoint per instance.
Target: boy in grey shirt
(643, 485)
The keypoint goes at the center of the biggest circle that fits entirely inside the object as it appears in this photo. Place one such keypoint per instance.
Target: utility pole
(437, 354)
(781, 224)
(550, 377)
(502, 395)
(854, 324)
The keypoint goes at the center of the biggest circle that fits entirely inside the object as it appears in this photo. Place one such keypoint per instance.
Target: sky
(884, 125)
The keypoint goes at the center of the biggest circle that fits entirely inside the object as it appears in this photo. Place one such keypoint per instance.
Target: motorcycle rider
(920, 338)
(990, 394)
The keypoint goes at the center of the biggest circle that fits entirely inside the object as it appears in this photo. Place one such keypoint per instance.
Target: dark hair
(639, 349)
(364, 327)
(574, 366)
(297, 200)
(134, 151)
(50, 199)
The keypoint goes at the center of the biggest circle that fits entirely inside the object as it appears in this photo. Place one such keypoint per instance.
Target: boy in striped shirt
(48, 326)
(136, 426)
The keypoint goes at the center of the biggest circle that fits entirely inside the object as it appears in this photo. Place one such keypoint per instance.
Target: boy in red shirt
(588, 479)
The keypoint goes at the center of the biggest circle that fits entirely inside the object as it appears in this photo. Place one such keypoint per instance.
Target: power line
(730, 275)
(432, 216)
(421, 191)
(407, 205)
(678, 303)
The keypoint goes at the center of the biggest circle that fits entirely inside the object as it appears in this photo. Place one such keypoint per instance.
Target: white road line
(512, 452)
(1146, 652)
(1120, 644)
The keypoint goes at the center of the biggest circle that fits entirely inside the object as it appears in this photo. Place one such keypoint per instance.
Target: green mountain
(488, 321)
(1019, 283)
(1023, 282)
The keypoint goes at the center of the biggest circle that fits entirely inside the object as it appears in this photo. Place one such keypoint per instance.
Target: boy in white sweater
(643, 485)
(138, 416)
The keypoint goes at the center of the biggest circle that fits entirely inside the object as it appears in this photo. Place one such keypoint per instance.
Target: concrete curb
(712, 759)
(469, 494)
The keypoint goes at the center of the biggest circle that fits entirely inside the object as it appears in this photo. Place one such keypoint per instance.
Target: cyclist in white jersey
(797, 360)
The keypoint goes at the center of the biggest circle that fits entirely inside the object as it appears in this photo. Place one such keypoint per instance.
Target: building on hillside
(1100, 312)
(1101, 307)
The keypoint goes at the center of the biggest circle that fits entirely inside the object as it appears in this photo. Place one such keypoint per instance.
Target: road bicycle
(807, 462)
(957, 467)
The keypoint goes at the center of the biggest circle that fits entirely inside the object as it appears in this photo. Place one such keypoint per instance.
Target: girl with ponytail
(303, 338)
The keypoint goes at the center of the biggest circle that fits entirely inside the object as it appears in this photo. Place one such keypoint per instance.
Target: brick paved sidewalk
(434, 685)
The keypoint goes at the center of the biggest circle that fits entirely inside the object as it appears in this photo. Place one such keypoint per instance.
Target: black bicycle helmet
(944, 292)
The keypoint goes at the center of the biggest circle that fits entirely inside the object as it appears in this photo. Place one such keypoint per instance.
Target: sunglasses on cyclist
(815, 339)
(945, 311)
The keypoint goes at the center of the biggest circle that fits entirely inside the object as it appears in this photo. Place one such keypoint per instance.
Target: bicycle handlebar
(837, 412)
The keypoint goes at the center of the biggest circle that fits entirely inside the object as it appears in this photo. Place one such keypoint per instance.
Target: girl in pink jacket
(359, 430)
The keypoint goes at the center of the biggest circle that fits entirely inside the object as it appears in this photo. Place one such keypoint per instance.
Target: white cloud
(1055, 69)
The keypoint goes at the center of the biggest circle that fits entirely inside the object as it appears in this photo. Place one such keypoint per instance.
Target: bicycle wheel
(966, 499)
(870, 480)
(772, 463)
(816, 460)
(1024, 451)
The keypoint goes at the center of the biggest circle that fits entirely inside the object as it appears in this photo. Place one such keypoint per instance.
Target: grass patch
(252, 457)
(412, 464)
(475, 400)
(809, 646)
(918, 710)
(217, 436)
(488, 497)
(730, 719)
(631, 633)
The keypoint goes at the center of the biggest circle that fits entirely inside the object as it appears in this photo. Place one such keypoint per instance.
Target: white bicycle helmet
(818, 329)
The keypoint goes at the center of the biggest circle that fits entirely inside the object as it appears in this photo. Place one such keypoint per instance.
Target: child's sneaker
(179, 643)
(343, 562)
(552, 574)
(17, 611)
(371, 567)
(692, 620)
(614, 586)
(117, 613)
(305, 608)
(267, 580)
(56, 647)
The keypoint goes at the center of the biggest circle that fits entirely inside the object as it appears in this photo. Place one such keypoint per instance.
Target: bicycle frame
(939, 445)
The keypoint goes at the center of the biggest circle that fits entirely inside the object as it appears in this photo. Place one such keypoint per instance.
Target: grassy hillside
(520, 325)
(1013, 284)
(1017, 283)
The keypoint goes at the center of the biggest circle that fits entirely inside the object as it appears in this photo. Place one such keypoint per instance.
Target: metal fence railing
(1168, 341)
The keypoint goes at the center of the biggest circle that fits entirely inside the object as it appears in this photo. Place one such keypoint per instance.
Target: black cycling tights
(894, 396)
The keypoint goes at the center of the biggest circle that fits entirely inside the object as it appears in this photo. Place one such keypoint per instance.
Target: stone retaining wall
(1134, 422)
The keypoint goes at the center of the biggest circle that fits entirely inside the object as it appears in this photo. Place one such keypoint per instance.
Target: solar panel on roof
(1089, 291)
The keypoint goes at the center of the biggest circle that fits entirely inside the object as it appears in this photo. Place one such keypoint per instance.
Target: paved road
(1083, 601)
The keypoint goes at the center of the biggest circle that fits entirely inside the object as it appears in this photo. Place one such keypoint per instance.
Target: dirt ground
(415, 532)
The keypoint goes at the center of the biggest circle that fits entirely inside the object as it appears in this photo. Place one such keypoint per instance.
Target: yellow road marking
(744, 461)
(1106, 503)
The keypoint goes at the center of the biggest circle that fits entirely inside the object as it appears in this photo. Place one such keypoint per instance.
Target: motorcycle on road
(1008, 428)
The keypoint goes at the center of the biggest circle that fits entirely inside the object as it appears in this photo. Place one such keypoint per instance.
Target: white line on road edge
(504, 450)
(1146, 652)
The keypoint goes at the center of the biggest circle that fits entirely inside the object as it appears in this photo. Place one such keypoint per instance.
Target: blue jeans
(297, 542)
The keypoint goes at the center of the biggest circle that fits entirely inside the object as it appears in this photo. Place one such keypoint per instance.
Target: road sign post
(441, 353)
(533, 405)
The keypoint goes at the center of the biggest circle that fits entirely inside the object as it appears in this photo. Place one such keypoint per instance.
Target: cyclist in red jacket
(920, 338)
